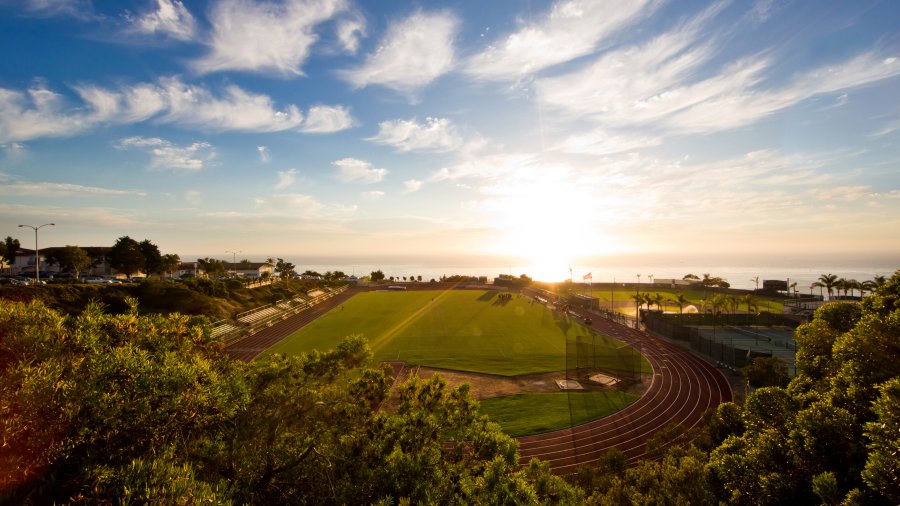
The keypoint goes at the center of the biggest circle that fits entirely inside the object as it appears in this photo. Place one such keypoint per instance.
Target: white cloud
(602, 142)
(436, 134)
(353, 170)
(888, 128)
(14, 150)
(286, 178)
(414, 52)
(300, 206)
(349, 31)
(264, 36)
(80, 9)
(569, 30)
(372, 195)
(412, 185)
(327, 119)
(165, 155)
(263, 154)
(41, 112)
(657, 85)
(171, 18)
(45, 189)
(193, 197)
(236, 110)
(37, 113)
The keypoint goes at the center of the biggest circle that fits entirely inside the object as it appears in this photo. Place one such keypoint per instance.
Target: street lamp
(37, 258)
(233, 260)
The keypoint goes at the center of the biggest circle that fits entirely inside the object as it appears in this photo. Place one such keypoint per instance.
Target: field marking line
(392, 332)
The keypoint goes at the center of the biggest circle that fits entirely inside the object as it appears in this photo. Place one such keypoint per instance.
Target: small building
(253, 270)
(672, 283)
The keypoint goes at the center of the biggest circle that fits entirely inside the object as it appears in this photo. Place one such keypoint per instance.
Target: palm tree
(658, 300)
(755, 279)
(840, 286)
(828, 281)
(750, 300)
(866, 285)
(818, 285)
(682, 301)
(852, 285)
(879, 281)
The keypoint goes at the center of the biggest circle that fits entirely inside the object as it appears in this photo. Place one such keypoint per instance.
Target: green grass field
(465, 330)
(525, 414)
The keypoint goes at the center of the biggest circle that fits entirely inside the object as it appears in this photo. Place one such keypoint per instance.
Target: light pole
(637, 301)
(233, 261)
(37, 258)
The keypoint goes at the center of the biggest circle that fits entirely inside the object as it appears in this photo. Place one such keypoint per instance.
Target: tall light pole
(637, 301)
(37, 258)
(233, 260)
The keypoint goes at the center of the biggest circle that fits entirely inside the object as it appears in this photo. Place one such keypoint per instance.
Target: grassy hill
(213, 299)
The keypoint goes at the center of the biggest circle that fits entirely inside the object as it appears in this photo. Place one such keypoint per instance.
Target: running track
(682, 389)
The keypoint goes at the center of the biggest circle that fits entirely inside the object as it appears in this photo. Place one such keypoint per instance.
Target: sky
(548, 132)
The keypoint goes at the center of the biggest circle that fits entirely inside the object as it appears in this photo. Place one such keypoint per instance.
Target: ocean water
(739, 276)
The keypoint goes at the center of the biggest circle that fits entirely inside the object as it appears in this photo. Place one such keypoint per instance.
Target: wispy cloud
(264, 156)
(569, 30)
(322, 119)
(888, 128)
(372, 195)
(80, 9)
(435, 134)
(302, 206)
(193, 197)
(354, 170)
(41, 112)
(413, 53)
(286, 179)
(165, 155)
(602, 142)
(412, 185)
(349, 31)
(171, 19)
(659, 84)
(13, 150)
(46, 189)
(264, 36)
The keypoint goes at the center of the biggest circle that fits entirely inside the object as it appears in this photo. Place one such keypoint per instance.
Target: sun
(548, 224)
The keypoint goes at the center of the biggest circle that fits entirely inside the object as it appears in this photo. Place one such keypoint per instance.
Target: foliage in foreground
(127, 408)
(832, 436)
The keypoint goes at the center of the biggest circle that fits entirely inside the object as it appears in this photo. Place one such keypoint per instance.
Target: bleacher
(250, 321)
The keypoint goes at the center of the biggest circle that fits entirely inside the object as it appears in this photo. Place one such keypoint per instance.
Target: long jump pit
(486, 386)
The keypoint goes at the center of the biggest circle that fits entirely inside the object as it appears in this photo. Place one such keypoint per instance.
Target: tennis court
(735, 346)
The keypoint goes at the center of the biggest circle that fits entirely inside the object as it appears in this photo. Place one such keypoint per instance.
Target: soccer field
(466, 330)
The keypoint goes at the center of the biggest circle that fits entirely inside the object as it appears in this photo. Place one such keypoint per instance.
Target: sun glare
(548, 224)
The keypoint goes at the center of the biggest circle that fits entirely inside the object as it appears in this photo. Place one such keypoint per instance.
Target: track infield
(464, 330)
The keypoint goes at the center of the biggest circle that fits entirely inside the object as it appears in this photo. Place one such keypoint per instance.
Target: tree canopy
(127, 408)
(831, 436)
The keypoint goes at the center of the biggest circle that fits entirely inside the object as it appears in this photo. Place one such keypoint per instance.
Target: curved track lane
(683, 387)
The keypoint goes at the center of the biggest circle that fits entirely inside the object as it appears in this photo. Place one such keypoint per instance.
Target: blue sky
(548, 131)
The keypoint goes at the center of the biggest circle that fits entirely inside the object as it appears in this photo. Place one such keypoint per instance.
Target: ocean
(742, 276)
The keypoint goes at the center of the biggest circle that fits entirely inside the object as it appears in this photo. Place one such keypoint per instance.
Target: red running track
(682, 389)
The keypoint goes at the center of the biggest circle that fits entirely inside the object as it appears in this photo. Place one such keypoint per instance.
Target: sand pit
(569, 385)
(603, 379)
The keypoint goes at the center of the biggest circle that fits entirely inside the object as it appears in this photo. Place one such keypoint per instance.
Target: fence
(722, 339)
